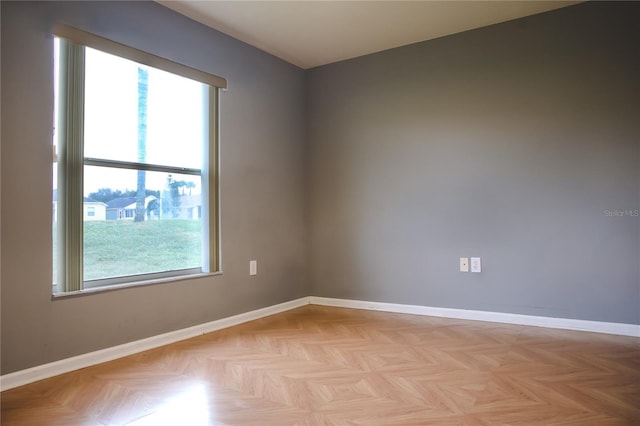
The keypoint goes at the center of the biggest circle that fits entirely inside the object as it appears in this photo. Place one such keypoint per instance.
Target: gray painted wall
(508, 142)
(263, 172)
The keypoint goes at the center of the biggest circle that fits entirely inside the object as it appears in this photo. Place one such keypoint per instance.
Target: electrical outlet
(464, 264)
(476, 265)
(253, 267)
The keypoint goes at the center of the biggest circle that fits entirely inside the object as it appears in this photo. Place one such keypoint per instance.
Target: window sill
(144, 283)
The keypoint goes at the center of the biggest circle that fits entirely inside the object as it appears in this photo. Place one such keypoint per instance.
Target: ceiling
(311, 33)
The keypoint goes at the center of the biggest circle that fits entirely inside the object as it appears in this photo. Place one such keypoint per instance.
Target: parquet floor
(330, 366)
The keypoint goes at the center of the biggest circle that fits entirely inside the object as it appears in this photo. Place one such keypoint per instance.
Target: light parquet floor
(330, 366)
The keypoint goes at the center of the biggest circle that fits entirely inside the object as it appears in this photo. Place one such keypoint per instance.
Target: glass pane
(141, 114)
(129, 235)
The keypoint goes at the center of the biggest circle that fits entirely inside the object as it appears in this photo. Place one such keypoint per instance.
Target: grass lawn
(115, 248)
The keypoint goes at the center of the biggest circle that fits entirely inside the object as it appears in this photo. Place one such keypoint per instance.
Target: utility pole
(141, 195)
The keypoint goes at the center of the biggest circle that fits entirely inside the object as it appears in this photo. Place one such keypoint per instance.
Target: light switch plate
(476, 265)
(253, 267)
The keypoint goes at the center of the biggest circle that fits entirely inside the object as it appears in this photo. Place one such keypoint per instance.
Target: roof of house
(124, 202)
(85, 199)
(120, 203)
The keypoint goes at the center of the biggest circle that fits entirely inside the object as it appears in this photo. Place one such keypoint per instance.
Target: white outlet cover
(464, 264)
(253, 267)
(476, 264)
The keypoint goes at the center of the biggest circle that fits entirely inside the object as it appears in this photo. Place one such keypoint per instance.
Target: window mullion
(71, 145)
(130, 165)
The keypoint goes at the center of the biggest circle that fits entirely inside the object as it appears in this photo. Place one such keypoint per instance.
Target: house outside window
(135, 134)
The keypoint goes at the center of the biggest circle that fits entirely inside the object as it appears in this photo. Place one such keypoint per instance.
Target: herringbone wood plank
(329, 366)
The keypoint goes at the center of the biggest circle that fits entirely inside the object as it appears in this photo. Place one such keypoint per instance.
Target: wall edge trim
(40, 372)
(621, 329)
(44, 371)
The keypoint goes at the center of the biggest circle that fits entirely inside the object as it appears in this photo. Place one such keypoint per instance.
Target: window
(135, 151)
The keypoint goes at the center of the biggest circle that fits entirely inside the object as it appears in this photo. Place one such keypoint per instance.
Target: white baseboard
(500, 317)
(23, 377)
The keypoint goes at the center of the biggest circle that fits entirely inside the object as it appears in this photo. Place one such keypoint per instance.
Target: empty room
(320, 213)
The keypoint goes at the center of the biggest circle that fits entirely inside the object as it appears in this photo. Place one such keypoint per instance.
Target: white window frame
(71, 162)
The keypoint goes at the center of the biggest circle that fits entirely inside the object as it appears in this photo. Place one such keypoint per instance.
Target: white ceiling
(311, 33)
